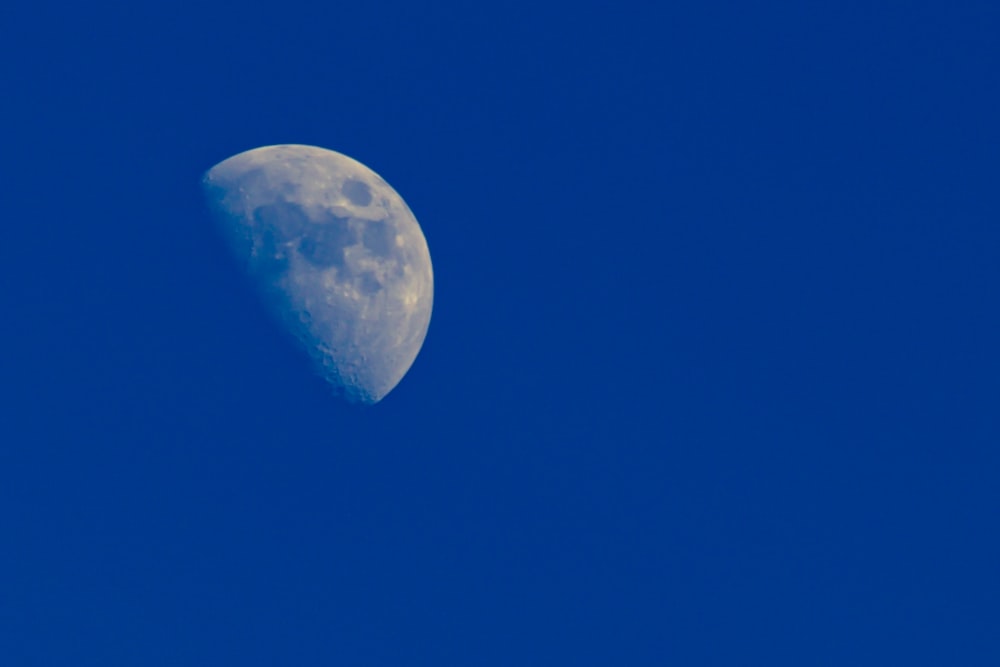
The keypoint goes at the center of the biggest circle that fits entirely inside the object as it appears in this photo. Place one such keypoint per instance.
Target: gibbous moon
(337, 255)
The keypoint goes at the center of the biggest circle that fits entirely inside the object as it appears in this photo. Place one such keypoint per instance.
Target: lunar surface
(337, 255)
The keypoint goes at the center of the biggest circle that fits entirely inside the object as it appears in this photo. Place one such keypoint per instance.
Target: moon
(337, 255)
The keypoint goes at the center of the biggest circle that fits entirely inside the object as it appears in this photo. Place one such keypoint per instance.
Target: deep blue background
(712, 375)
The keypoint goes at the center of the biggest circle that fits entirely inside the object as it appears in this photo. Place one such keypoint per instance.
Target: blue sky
(712, 374)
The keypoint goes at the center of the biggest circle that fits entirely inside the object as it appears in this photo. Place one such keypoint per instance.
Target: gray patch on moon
(324, 244)
(338, 256)
(357, 192)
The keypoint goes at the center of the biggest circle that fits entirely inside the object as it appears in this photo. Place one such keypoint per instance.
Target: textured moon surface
(337, 255)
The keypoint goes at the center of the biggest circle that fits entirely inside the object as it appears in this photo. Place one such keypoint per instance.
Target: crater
(358, 192)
